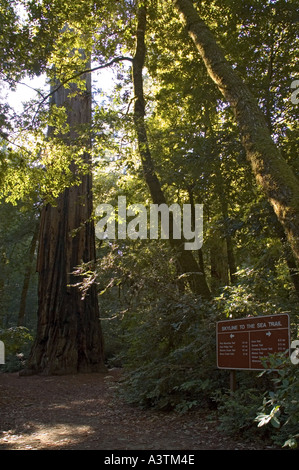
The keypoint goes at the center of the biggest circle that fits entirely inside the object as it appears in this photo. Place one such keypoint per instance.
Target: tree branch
(78, 74)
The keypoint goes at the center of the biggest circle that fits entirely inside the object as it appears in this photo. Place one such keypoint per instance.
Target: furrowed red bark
(186, 262)
(271, 171)
(69, 338)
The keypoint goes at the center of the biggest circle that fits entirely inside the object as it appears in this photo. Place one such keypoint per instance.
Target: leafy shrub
(237, 411)
(257, 292)
(171, 357)
(280, 407)
(276, 411)
(166, 340)
(17, 341)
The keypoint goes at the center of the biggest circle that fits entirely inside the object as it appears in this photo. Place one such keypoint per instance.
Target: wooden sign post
(244, 342)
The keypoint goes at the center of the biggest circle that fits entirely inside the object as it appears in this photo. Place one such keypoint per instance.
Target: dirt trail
(83, 412)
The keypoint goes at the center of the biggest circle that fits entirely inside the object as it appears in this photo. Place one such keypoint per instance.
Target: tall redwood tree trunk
(69, 337)
(271, 171)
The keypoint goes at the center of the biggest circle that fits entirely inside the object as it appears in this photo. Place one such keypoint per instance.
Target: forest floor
(84, 412)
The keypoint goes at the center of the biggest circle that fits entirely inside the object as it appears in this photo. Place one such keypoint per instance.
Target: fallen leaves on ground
(83, 412)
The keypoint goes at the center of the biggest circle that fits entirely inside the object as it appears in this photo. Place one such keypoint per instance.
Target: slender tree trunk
(289, 257)
(268, 105)
(229, 244)
(69, 337)
(200, 251)
(28, 271)
(187, 263)
(292, 265)
(222, 195)
(271, 171)
(224, 211)
(219, 261)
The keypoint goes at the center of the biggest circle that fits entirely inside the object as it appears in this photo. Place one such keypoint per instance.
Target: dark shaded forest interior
(149, 185)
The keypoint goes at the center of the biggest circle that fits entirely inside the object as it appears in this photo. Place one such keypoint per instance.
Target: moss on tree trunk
(271, 171)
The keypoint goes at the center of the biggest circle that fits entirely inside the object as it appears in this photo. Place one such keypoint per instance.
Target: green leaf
(275, 422)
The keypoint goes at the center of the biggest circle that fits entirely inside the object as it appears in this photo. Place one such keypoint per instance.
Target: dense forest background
(158, 321)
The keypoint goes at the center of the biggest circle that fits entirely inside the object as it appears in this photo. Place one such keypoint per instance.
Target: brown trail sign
(242, 343)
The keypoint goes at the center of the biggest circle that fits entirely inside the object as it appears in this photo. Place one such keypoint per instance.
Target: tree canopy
(191, 104)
